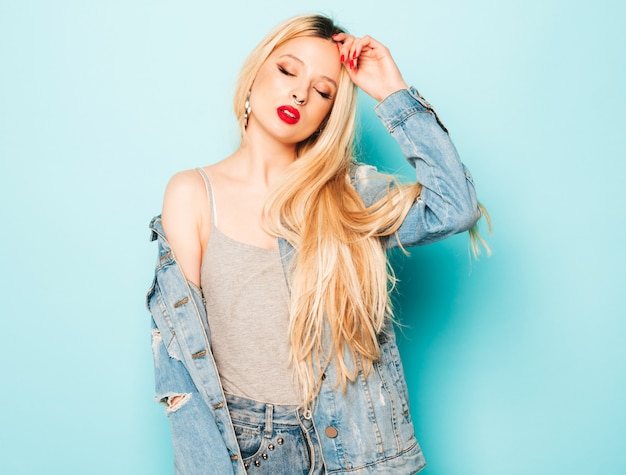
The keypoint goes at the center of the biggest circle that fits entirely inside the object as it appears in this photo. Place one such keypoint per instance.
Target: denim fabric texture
(275, 439)
(365, 430)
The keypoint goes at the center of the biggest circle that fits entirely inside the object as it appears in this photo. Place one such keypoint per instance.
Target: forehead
(318, 55)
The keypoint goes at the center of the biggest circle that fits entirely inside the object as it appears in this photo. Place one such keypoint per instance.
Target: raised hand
(370, 65)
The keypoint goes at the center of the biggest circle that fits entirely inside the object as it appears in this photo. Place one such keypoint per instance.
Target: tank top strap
(210, 196)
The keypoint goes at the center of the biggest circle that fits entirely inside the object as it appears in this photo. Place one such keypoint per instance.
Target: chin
(291, 138)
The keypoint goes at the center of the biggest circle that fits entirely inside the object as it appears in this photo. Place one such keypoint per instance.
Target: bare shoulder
(184, 203)
(183, 218)
(184, 188)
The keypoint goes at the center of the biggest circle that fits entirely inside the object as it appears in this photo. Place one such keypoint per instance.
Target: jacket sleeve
(196, 440)
(447, 204)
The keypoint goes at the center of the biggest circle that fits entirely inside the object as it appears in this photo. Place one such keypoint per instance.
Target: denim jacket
(373, 432)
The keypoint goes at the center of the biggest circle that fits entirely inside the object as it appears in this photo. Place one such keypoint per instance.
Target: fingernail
(354, 55)
(351, 64)
(342, 59)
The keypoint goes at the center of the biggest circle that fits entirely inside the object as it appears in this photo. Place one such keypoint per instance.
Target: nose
(299, 94)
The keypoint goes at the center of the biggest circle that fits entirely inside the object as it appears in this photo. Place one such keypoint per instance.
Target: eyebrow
(302, 62)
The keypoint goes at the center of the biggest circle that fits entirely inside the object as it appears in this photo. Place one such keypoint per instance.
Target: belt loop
(269, 429)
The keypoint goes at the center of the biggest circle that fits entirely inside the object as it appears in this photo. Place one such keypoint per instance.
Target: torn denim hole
(174, 401)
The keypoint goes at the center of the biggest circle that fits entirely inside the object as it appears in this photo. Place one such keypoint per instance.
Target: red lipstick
(288, 114)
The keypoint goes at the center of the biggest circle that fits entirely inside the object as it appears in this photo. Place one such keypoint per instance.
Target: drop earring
(247, 111)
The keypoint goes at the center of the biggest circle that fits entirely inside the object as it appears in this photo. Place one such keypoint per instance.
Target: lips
(288, 114)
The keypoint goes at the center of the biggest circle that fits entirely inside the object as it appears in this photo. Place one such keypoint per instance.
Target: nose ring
(297, 102)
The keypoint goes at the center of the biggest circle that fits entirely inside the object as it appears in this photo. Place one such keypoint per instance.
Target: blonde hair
(340, 278)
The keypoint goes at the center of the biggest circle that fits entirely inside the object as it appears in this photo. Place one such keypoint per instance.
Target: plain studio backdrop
(515, 363)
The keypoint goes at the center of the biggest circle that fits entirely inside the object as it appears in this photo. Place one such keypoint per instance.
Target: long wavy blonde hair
(340, 278)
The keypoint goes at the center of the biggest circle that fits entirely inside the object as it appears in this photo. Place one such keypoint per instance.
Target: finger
(364, 44)
(339, 39)
(359, 45)
(348, 51)
(344, 49)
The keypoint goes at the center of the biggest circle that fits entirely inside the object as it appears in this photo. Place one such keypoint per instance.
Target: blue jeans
(275, 439)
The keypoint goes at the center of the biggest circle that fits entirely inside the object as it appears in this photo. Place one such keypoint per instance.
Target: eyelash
(324, 95)
(287, 73)
(284, 71)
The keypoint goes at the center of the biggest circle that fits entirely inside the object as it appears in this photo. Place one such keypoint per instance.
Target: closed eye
(284, 71)
(325, 95)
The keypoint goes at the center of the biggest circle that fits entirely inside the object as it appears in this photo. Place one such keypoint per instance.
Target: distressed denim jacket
(373, 429)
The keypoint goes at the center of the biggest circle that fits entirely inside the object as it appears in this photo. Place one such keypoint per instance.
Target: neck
(262, 161)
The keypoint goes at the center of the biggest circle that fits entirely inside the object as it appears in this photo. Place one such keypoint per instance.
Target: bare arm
(182, 217)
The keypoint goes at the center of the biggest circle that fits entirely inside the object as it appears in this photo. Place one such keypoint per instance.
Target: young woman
(272, 334)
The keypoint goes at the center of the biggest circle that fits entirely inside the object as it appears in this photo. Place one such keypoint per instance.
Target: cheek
(323, 113)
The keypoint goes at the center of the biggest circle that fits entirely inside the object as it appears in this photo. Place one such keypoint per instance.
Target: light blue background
(515, 363)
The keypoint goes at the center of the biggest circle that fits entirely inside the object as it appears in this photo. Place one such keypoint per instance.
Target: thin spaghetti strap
(210, 197)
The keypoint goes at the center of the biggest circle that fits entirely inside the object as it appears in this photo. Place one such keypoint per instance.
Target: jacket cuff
(396, 107)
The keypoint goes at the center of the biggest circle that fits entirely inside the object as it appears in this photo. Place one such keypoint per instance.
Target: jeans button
(331, 432)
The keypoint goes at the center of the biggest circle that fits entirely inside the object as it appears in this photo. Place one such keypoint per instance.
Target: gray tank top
(247, 307)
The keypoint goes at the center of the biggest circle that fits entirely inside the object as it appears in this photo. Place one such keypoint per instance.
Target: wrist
(391, 89)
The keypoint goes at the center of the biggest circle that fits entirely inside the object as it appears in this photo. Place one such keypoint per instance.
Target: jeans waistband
(253, 412)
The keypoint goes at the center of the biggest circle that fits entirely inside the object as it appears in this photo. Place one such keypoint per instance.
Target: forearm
(447, 203)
